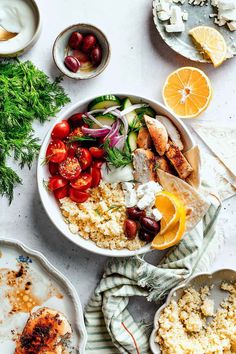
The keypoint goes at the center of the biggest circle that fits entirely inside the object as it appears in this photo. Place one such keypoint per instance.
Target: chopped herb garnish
(116, 157)
(26, 95)
(114, 207)
(81, 138)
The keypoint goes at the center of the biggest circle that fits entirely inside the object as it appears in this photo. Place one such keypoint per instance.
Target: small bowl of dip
(23, 18)
(81, 51)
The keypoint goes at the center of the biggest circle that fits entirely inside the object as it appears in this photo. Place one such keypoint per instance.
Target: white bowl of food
(197, 316)
(94, 189)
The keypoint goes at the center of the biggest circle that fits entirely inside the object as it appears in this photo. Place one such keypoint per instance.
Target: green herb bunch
(26, 95)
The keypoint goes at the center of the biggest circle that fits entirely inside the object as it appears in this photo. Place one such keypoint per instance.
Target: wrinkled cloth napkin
(110, 326)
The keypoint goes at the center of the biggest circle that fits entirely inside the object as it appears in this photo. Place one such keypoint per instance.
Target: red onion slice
(95, 133)
(114, 129)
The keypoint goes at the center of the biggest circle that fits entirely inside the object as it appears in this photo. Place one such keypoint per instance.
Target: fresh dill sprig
(116, 157)
(81, 138)
(26, 95)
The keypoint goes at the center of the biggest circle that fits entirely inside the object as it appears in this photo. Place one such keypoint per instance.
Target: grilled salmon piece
(158, 134)
(143, 161)
(45, 333)
(180, 163)
(144, 139)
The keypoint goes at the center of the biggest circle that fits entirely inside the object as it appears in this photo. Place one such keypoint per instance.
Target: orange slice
(211, 43)
(187, 92)
(171, 237)
(171, 209)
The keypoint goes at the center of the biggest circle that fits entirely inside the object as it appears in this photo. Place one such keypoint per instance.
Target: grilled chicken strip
(143, 161)
(163, 164)
(144, 139)
(45, 332)
(158, 134)
(178, 160)
(172, 131)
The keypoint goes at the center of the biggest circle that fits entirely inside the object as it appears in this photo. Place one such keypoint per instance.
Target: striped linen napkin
(110, 326)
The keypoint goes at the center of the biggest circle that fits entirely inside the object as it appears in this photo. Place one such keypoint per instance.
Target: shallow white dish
(50, 204)
(48, 288)
(197, 282)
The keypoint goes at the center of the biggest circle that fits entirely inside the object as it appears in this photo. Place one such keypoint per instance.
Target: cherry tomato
(78, 196)
(61, 130)
(96, 152)
(96, 176)
(76, 120)
(56, 182)
(84, 157)
(61, 192)
(56, 151)
(70, 168)
(72, 148)
(53, 168)
(83, 182)
(98, 163)
(77, 132)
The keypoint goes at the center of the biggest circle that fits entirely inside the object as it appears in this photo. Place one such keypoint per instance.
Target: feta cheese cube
(175, 15)
(175, 28)
(232, 26)
(163, 15)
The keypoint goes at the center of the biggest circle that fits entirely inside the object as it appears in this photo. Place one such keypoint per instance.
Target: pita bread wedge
(194, 158)
(196, 206)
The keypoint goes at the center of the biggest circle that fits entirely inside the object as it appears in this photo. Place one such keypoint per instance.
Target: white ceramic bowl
(28, 45)
(49, 202)
(197, 281)
(61, 43)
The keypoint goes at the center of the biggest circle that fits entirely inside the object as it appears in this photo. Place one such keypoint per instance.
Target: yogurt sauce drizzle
(17, 16)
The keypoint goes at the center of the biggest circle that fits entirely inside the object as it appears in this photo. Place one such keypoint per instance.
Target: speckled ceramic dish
(20, 266)
(36, 33)
(182, 42)
(60, 51)
(198, 281)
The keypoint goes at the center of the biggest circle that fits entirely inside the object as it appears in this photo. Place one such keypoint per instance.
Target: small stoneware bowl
(61, 50)
(10, 51)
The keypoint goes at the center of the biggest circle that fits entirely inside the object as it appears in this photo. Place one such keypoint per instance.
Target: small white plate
(197, 281)
(182, 42)
(47, 287)
(49, 202)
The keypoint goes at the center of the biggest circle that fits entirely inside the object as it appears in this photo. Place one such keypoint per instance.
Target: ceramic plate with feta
(104, 174)
(175, 18)
(29, 285)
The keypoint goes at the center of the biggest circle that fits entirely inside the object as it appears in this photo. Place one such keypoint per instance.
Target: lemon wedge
(171, 209)
(173, 220)
(211, 43)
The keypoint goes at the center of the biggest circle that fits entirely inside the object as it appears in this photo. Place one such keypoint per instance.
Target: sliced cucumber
(132, 117)
(104, 102)
(106, 119)
(146, 110)
(132, 141)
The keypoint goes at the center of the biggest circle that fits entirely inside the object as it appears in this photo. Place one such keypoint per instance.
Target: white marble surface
(139, 64)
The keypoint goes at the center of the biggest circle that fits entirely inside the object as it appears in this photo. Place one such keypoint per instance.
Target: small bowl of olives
(81, 51)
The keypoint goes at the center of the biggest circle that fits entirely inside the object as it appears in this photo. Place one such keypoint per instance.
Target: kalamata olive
(130, 229)
(88, 43)
(75, 40)
(135, 213)
(96, 55)
(149, 225)
(72, 63)
(145, 236)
